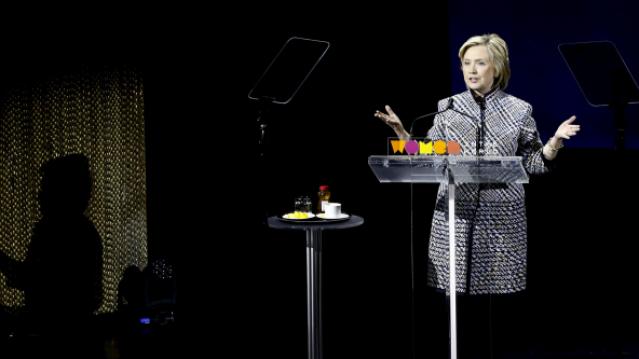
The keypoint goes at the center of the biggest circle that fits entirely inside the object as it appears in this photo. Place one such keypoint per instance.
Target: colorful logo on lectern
(422, 146)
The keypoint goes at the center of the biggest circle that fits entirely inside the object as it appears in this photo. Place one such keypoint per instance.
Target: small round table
(313, 271)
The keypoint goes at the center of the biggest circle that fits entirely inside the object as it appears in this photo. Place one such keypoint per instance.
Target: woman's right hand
(391, 119)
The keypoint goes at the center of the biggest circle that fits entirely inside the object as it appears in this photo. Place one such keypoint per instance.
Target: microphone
(482, 103)
(449, 106)
(480, 126)
(479, 141)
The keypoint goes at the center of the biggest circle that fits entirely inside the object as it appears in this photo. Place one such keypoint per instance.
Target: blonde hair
(497, 53)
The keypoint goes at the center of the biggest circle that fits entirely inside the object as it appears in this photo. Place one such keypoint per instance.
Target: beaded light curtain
(101, 115)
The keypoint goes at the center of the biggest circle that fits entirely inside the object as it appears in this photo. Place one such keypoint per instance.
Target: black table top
(313, 223)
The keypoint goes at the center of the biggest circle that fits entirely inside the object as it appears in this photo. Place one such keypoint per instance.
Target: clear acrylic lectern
(450, 170)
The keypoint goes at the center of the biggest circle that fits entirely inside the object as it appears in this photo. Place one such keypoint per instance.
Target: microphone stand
(265, 106)
(480, 128)
(479, 147)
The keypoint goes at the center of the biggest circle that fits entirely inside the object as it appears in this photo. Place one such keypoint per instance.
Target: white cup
(332, 210)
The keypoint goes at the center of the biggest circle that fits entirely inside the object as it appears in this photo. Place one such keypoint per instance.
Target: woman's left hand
(567, 129)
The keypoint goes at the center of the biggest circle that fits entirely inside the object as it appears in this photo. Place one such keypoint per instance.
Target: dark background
(238, 278)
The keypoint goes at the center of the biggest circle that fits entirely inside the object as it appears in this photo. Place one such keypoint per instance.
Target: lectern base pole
(452, 281)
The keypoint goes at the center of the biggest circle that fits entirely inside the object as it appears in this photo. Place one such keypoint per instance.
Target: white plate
(289, 217)
(341, 216)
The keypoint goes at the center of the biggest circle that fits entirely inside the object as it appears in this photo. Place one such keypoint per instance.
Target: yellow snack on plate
(298, 215)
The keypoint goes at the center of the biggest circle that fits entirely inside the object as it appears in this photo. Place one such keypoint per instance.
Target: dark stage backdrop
(201, 139)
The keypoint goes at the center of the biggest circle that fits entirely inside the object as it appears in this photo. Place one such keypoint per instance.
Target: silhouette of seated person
(61, 275)
(141, 291)
(146, 301)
